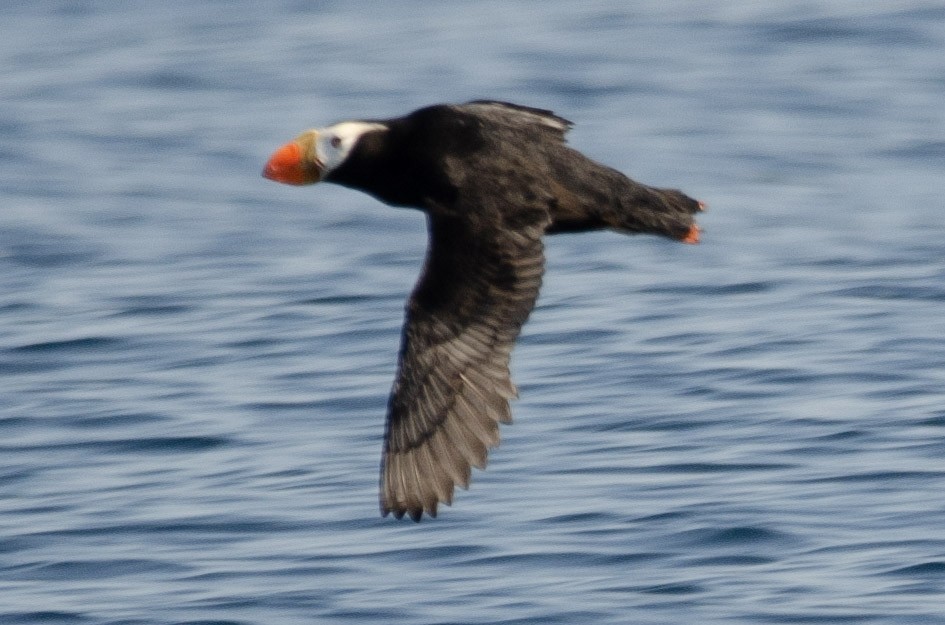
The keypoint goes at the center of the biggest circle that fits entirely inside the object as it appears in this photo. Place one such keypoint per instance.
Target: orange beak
(287, 166)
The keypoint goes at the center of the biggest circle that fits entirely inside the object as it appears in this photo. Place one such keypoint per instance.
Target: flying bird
(492, 178)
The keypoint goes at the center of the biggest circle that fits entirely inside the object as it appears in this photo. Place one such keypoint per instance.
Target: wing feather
(516, 114)
(453, 386)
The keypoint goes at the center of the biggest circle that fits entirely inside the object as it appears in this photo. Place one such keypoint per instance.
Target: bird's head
(313, 155)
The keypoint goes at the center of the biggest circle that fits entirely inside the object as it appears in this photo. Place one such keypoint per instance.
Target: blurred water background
(194, 361)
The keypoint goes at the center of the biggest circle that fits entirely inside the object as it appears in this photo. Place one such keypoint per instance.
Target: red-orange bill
(285, 165)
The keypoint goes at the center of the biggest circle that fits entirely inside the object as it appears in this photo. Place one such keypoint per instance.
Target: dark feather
(453, 385)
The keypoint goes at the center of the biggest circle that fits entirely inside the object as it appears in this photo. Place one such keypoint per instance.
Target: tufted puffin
(492, 178)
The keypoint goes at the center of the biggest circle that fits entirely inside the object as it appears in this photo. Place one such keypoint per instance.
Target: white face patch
(334, 143)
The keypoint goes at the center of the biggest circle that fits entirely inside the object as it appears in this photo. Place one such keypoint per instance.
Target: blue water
(194, 361)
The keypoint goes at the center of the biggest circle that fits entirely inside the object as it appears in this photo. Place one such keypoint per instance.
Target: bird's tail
(649, 210)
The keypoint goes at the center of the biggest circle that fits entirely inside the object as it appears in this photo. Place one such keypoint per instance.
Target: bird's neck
(394, 169)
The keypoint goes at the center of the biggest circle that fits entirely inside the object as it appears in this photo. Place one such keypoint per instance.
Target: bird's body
(493, 178)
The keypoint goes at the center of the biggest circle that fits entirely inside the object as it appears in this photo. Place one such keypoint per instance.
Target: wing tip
(413, 512)
(545, 116)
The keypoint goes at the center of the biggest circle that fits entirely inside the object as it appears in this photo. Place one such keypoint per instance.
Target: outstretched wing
(506, 113)
(453, 387)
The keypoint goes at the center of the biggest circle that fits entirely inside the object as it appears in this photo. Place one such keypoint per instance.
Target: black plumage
(493, 178)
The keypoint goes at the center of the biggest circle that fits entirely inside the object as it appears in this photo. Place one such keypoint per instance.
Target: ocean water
(194, 361)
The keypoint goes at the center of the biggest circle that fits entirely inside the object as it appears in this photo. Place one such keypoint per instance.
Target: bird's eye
(335, 142)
